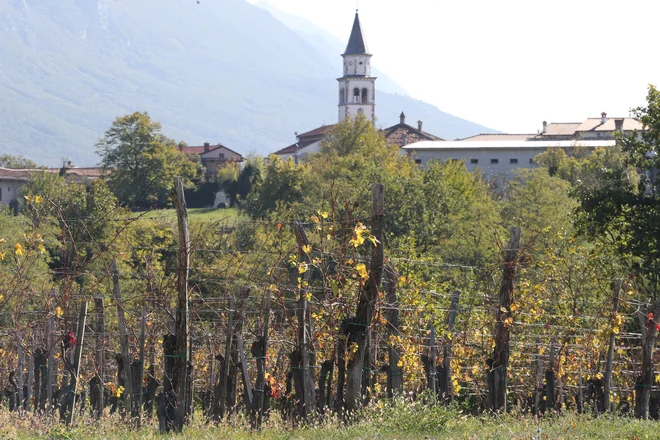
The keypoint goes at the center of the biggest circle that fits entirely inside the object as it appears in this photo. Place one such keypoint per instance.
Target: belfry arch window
(356, 95)
(341, 96)
(365, 96)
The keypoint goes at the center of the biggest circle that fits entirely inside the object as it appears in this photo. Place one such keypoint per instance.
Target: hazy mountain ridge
(215, 71)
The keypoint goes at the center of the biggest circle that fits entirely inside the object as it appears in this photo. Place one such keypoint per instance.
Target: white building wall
(302, 153)
(493, 157)
(357, 65)
(9, 189)
(221, 153)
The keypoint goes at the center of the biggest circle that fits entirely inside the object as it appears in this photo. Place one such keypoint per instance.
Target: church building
(357, 96)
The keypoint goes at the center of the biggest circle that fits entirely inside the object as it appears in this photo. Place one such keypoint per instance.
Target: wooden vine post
(259, 350)
(498, 364)
(99, 307)
(607, 386)
(77, 359)
(222, 398)
(181, 348)
(123, 338)
(30, 380)
(432, 373)
(447, 388)
(550, 376)
(19, 370)
(394, 372)
(50, 335)
(539, 379)
(309, 398)
(357, 331)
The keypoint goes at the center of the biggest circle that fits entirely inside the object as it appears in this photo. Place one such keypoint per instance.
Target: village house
(213, 157)
(11, 180)
(502, 153)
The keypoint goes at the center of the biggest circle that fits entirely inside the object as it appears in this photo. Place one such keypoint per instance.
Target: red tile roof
(306, 139)
(320, 131)
(199, 150)
(595, 124)
(14, 174)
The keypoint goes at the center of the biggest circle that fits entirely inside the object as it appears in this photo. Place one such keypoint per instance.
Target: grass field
(198, 215)
(415, 423)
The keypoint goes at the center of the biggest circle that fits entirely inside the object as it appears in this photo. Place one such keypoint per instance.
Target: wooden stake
(432, 370)
(260, 349)
(499, 363)
(19, 370)
(181, 366)
(580, 393)
(99, 308)
(309, 398)
(225, 369)
(394, 373)
(607, 386)
(51, 351)
(357, 330)
(247, 384)
(123, 338)
(138, 395)
(82, 319)
(550, 376)
(30, 380)
(539, 379)
(448, 389)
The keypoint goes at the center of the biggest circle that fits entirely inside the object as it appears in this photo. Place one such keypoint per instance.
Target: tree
(282, 186)
(16, 162)
(238, 185)
(624, 210)
(143, 161)
(77, 215)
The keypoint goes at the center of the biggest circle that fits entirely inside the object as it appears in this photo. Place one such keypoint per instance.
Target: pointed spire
(357, 45)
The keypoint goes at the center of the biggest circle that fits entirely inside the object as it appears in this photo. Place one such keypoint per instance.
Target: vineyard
(312, 317)
(431, 299)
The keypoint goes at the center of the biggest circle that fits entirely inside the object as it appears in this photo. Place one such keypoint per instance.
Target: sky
(506, 64)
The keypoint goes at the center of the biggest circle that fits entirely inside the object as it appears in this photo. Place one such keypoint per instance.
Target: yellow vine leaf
(362, 271)
(18, 249)
(58, 311)
(307, 249)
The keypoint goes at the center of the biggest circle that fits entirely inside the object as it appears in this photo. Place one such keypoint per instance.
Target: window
(494, 161)
(513, 161)
(531, 160)
(361, 111)
(365, 96)
(418, 161)
(356, 95)
(474, 161)
(341, 96)
(221, 155)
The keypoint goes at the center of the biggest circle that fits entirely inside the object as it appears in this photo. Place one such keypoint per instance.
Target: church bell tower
(357, 87)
